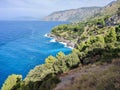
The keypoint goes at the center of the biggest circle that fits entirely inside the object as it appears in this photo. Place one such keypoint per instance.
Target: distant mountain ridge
(73, 15)
(82, 14)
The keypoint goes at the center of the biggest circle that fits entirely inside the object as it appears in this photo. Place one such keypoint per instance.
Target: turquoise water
(23, 46)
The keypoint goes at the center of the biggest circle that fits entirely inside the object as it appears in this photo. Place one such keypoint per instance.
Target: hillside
(93, 64)
(73, 15)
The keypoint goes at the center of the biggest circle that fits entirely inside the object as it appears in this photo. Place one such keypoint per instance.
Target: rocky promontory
(68, 43)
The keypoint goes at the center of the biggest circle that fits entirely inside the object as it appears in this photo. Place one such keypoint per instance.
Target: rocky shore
(68, 43)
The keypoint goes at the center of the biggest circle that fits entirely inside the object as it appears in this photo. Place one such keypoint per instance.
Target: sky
(10, 9)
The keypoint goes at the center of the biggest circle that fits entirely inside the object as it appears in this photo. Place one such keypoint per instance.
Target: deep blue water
(23, 46)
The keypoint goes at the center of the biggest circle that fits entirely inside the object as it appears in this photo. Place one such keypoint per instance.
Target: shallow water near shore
(23, 46)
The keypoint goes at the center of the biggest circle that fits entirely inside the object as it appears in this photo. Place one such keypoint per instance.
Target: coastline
(66, 43)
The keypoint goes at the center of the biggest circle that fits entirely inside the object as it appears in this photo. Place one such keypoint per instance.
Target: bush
(118, 32)
(111, 37)
(72, 60)
(99, 22)
(60, 66)
(11, 81)
(66, 63)
(50, 60)
(60, 55)
(80, 46)
(39, 72)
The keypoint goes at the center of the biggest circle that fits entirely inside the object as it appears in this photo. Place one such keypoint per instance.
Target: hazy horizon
(31, 9)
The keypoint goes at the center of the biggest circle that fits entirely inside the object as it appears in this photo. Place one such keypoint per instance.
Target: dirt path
(67, 78)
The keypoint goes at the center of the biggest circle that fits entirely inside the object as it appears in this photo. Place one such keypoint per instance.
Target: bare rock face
(73, 15)
(61, 39)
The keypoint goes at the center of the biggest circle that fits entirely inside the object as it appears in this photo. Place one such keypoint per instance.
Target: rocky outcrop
(68, 43)
(113, 20)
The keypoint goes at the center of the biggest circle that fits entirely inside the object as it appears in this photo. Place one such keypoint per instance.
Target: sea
(24, 44)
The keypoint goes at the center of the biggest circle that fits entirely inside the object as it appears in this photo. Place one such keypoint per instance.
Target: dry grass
(106, 80)
(94, 77)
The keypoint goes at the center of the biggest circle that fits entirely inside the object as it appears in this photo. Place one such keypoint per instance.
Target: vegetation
(118, 32)
(69, 31)
(50, 60)
(60, 55)
(11, 81)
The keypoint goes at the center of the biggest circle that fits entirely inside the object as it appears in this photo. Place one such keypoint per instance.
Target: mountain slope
(73, 15)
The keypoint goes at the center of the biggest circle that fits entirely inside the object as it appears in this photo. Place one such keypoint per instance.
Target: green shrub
(60, 55)
(72, 60)
(39, 72)
(50, 60)
(118, 32)
(100, 22)
(66, 63)
(60, 66)
(11, 81)
(111, 37)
